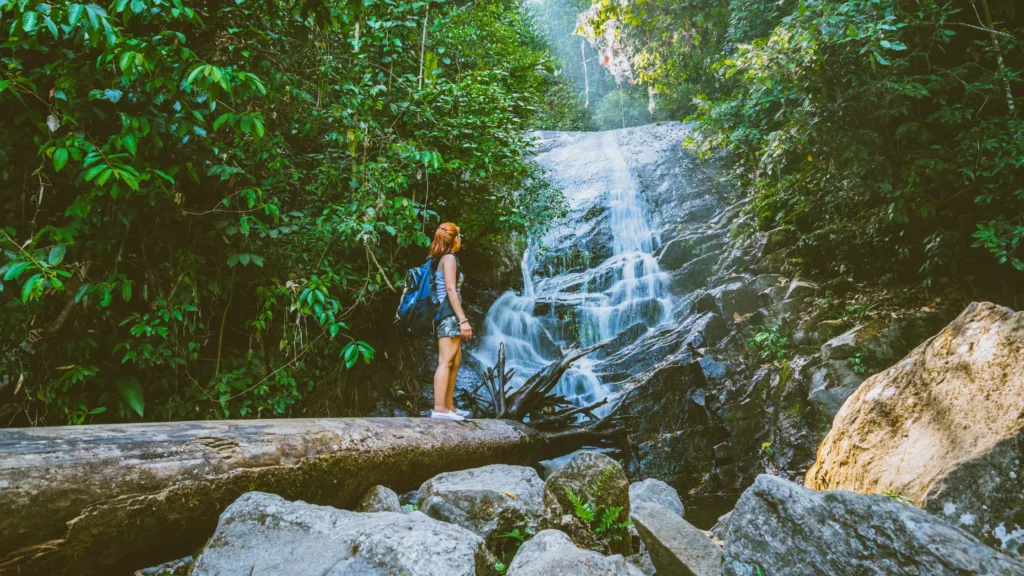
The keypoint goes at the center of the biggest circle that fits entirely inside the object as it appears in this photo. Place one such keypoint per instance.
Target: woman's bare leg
(449, 396)
(447, 348)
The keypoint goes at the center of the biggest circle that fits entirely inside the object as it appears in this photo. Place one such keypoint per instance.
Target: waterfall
(578, 302)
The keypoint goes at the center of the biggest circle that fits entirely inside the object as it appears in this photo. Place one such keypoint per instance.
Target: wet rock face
(735, 299)
(787, 530)
(675, 434)
(654, 491)
(944, 427)
(552, 552)
(266, 534)
(488, 501)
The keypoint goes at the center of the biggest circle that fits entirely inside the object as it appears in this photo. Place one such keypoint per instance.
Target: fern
(608, 519)
(598, 487)
(585, 512)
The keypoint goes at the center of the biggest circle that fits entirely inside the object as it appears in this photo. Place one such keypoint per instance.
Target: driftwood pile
(564, 426)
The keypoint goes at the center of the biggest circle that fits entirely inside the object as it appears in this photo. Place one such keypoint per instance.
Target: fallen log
(116, 498)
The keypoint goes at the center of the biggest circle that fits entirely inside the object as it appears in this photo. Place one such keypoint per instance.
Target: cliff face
(729, 363)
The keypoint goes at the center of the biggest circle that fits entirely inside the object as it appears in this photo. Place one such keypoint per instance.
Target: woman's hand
(466, 329)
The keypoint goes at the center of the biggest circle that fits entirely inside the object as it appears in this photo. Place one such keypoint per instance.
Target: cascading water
(580, 304)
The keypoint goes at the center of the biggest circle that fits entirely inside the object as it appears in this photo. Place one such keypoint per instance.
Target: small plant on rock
(770, 342)
(519, 535)
(857, 364)
(895, 495)
(602, 524)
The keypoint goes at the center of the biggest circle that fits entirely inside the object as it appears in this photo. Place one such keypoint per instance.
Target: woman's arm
(450, 271)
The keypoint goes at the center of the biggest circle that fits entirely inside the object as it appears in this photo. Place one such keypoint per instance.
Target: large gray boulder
(655, 491)
(265, 534)
(675, 546)
(379, 499)
(580, 474)
(552, 552)
(788, 530)
(944, 428)
(489, 501)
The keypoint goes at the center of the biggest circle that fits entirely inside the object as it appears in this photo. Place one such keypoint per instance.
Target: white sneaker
(464, 413)
(446, 416)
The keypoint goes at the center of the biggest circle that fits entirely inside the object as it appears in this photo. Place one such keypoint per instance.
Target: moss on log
(113, 499)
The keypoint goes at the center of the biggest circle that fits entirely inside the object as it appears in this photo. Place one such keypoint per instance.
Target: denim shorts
(449, 328)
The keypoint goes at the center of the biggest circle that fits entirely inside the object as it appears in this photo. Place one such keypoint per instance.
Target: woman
(452, 325)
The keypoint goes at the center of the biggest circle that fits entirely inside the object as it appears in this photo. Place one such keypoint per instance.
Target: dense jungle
(743, 277)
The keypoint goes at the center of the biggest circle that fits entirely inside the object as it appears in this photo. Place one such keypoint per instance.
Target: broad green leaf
(131, 391)
(16, 269)
(81, 292)
(92, 172)
(52, 27)
(244, 259)
(232, 260)
(32, 287)
(28, 20)
(257, 260)
(126, 60)
(56, 255)
(75, 13)
(60, 158)
(126, 291)
(130, 143)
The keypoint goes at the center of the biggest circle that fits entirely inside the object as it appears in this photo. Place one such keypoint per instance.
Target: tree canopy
(887, 132)
(202, 198)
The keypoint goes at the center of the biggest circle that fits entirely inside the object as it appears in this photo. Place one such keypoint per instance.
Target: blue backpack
(417, 309)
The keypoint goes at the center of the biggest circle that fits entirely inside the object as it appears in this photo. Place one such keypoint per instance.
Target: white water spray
(587, 306)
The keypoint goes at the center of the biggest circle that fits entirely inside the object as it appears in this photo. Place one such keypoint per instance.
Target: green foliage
(518, 535)
(895, 495)
(770, 341)
(622, 109)
(887, 132)
(131, 391)
(602, 524)
(204, 205)
(857, 364)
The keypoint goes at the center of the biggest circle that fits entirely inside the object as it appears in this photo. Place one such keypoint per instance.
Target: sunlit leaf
(131, 392)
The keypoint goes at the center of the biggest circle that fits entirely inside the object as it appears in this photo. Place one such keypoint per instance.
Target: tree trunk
(116, 498)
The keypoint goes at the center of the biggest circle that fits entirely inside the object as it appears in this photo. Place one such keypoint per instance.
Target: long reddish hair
(444, 239)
